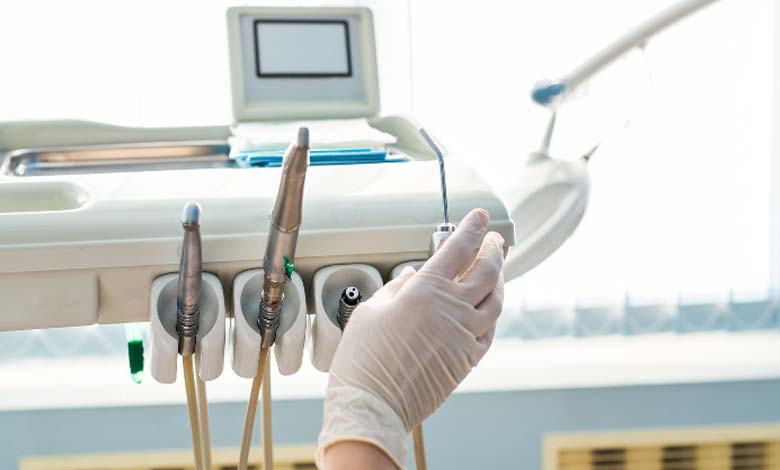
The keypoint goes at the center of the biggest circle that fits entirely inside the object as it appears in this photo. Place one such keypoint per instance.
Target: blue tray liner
(319, 157)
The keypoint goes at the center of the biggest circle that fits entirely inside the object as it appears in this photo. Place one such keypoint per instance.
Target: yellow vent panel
(716, 448)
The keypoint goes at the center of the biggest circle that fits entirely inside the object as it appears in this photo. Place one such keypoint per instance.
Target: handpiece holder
(210, 339)
(245, 332)
(329, 283)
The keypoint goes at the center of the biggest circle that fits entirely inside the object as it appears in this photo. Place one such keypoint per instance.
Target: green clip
(288, 267)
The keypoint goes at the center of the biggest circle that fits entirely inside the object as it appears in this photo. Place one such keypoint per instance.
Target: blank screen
(302, 48)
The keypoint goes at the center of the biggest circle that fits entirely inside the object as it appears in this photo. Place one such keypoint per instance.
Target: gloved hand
(409, 346)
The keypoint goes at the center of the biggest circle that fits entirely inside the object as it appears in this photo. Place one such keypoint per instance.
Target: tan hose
(265, 416)
(419, 448)
(251, 410)
(192, 408)
(203, 415)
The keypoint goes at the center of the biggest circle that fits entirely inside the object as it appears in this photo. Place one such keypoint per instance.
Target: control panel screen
(302, 48)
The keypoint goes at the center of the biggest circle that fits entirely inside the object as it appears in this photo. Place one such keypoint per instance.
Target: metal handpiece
(283, 236)
(348, 302)
(187, 300)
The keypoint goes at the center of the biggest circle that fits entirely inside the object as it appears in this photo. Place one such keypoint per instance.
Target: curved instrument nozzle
(188, 298)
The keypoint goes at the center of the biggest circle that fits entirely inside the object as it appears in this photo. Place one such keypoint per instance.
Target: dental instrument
(278, 265)
(348, 301)
(188, 321)
(440, 235)
(443, 230)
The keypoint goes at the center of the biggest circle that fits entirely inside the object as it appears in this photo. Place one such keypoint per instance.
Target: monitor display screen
(302, 48)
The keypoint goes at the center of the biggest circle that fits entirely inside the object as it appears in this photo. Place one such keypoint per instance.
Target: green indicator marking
(135, 351)
(288, 267)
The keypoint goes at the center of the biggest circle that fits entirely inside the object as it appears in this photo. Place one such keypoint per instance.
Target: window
(680, 203)
(148, 63)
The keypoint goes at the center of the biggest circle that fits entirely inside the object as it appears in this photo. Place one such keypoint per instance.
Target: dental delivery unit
(280, 225)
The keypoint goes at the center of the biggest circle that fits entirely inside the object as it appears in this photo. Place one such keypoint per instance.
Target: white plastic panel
(48, 299)
(245, 333)
(163, 339)
(47, 196)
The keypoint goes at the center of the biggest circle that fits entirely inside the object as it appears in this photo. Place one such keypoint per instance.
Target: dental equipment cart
(92, 214)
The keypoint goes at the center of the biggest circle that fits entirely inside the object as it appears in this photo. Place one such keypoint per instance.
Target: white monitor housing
(302, 63)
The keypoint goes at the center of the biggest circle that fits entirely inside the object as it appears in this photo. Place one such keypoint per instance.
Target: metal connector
(348, 302)
(188, 298)
(442, 233)
(283, 236)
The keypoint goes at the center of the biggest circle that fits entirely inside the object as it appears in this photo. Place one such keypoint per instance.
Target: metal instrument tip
(191, 214)
(303, 136)
(442, 175)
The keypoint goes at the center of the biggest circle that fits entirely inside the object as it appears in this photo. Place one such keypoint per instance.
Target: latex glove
(409, 346)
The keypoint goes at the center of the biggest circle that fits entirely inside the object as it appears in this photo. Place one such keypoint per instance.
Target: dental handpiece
(348, 302)
(440, 235)
(278, 262)
(187, 300)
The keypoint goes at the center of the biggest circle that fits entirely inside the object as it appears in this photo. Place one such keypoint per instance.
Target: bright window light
(681, 183)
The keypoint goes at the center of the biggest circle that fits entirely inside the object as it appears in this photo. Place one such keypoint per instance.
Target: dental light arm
(552, 194)
(552, 94)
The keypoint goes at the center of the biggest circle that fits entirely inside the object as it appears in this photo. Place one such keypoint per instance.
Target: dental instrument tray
(171, 156)
(118, 157)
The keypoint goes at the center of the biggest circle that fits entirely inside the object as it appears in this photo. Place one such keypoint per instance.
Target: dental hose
(203, 414)
(251, 410)
(265, 416)
(419, 448)
(192, 408)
